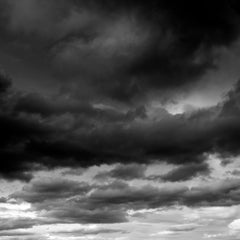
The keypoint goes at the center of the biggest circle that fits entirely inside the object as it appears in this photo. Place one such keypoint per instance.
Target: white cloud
(235, 225)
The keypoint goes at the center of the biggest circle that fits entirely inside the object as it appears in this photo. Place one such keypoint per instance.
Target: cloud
(39, 191)
(110, 202)
(84, 232)
(124, 172)
(185, 172)
(72, 214)
(121, 52)
(118, 60)
(231, 106)
(40, 131)
(14, 224)
(184, 227)
(5, 81)
(235, 225)
(133, 171)
(91, 99)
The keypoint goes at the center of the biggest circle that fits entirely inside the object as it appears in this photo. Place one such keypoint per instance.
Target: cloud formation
(102, 119)
(123, 52)
(53, 133)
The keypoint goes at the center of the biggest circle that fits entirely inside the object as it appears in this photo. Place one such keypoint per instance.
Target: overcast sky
(120, 120)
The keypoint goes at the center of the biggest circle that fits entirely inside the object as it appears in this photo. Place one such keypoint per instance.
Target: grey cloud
(109, 203)
(39, 191)
(32, 133)
(137, 171)
(74, 214)
(5, 81)
(57, 106)
(120, 51)
(92, 232)
(123, 195)
(235, 172)
(52, 131)
(124, 172)
(185, 172)
(184, 227)
(13, 224)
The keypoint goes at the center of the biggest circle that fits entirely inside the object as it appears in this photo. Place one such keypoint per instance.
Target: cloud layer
(119, 119)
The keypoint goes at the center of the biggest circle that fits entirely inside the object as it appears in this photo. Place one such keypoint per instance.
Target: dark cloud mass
(110, 98)
(4, 81)
(121, 51)
(53, 133)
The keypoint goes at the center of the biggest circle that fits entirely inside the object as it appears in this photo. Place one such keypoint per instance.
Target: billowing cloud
(120, 52)
(39, 130)
(104, 119)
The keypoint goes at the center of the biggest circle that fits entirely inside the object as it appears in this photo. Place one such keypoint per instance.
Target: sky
(119, 120)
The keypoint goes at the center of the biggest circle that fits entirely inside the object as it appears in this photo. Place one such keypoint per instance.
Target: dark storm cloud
(5, 81)
(55, 134)
(176, 47)
(16, 132)
(46, 107)
(121, 51)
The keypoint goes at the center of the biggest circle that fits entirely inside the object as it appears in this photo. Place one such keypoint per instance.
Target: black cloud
(120, 51)
(119, 56)
(5, 81)
(52, 134)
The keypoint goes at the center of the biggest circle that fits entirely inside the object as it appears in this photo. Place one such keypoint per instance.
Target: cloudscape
(120, 120)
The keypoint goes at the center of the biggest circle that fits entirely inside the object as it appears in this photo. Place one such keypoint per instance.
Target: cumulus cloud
(235, 225)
